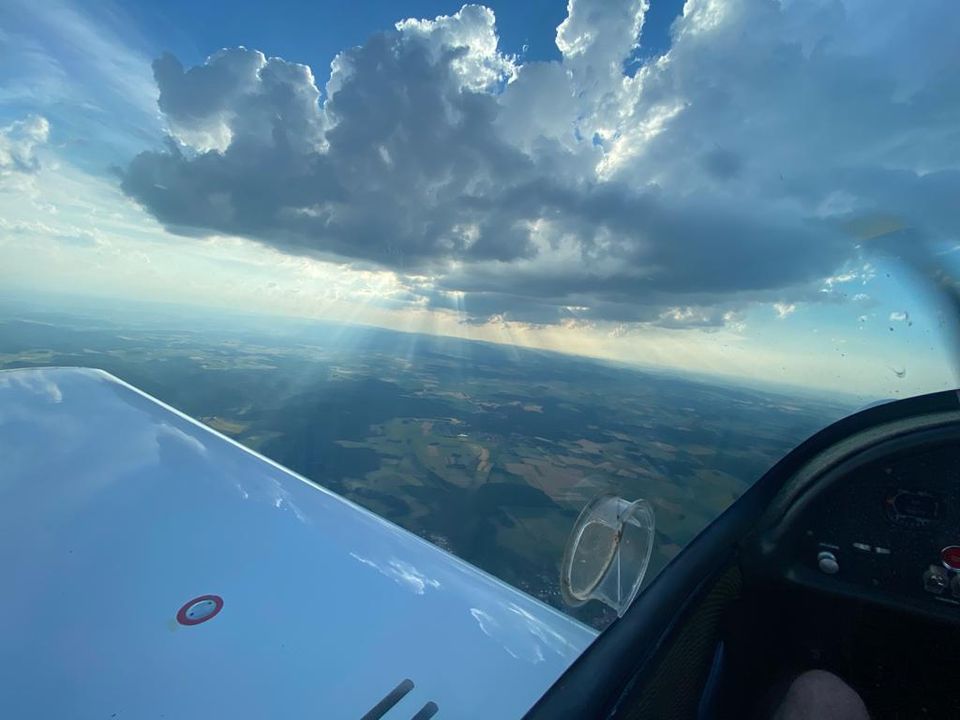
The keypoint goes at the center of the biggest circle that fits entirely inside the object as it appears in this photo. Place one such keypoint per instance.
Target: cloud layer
(739, 167)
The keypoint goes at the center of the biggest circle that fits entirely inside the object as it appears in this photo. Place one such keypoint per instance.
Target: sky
(720, 186)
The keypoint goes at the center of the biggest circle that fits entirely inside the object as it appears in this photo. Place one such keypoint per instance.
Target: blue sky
(195, 30)
(719, 187)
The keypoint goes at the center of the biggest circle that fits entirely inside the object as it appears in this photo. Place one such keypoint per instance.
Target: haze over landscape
(488, 451)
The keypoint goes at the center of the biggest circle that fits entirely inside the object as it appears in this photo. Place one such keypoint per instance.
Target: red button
(950, 557)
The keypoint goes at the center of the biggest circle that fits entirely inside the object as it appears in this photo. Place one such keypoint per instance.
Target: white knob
(827, 562)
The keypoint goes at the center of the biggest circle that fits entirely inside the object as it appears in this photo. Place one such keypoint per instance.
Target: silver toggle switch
(935, 580)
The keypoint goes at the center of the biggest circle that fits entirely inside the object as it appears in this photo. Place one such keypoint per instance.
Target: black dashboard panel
(873, 524)
(886, 523)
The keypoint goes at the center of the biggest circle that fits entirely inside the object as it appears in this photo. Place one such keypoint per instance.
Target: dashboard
(877, 519)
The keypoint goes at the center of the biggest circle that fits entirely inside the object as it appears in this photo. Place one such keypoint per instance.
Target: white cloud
(597, 36)
(899, 317)
(479, 65)
(784, 309)
(844, 277)
(87, 236)
(19, 143)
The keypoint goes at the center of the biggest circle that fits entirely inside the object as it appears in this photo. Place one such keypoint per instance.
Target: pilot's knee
(821, 695)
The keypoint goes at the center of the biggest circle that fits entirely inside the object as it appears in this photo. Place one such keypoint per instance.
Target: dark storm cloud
(726, 176)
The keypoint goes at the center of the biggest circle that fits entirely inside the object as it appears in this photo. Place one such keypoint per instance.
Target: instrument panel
(886, 529)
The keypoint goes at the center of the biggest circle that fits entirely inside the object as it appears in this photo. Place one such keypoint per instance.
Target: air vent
(380, 710)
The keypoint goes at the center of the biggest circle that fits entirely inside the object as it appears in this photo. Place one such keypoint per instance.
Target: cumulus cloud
(742, 166)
